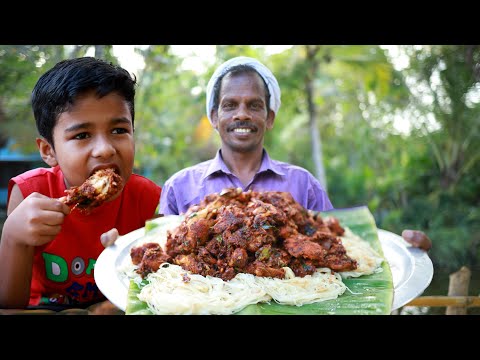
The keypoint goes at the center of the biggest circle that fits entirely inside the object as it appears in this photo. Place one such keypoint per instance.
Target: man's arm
(317, 197)
(168, 200)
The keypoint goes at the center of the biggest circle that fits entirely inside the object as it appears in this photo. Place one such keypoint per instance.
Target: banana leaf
(366, 295)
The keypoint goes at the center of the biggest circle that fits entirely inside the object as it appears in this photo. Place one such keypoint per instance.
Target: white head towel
(266, 74)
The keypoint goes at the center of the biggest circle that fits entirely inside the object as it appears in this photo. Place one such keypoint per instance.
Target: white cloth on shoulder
(266, 74)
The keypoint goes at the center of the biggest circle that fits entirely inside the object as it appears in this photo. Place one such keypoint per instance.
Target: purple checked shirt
(189, 186)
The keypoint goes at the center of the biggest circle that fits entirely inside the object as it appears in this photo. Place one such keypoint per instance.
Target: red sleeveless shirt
(63, 269)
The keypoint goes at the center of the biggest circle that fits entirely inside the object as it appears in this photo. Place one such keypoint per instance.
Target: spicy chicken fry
(97, 189)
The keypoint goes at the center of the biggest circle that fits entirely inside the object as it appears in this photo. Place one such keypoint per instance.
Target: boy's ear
(47, 152)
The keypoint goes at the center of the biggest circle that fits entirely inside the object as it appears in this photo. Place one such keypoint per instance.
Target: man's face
(95, 133)
(242, 117)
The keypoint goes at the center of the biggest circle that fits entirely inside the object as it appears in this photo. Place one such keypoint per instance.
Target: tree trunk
(100, 51)
(313, 63)
(458, 286)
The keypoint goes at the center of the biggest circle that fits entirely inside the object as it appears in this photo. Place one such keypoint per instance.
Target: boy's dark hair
(237, 70)
(56, 91)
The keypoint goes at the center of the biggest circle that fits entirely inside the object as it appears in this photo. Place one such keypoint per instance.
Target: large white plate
(412, 269)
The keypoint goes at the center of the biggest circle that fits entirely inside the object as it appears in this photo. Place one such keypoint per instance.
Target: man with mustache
(243, 97)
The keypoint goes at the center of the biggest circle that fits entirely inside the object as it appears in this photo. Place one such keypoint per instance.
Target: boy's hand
(418, 239)
(36, 220)
(109, 237)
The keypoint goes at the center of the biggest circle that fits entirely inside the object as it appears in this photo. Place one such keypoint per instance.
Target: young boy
(84, 112)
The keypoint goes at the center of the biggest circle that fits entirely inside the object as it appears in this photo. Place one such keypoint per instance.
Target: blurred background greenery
(396, 128)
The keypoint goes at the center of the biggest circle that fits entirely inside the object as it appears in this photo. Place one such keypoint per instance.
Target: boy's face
(95, 133)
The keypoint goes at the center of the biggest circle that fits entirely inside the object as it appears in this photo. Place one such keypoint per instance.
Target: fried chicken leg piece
(97, 189)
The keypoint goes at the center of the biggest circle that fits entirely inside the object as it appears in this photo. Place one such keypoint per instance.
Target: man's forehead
(244, 83)
(246, 74)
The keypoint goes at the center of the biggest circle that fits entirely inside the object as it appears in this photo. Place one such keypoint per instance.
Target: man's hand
(418, 239)
(109, 237)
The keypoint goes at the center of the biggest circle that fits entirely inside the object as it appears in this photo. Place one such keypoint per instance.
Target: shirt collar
(269, 164)
(218, 164)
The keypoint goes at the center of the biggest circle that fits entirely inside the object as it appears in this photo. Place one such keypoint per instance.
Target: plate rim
(109, 278)
(421, 274)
